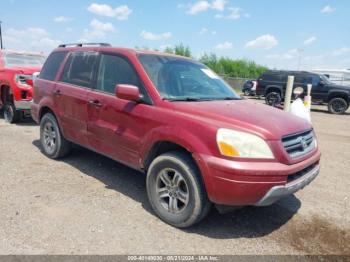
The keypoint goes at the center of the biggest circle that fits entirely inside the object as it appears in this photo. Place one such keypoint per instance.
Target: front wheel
(273, 98)
(176, 191)
(53, 144)
(11, 115)
(337, 105)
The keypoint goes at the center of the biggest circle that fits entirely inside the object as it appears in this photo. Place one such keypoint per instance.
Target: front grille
(299, 144)
(301, 173)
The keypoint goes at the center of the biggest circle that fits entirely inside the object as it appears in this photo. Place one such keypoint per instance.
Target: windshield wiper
(190, 99)
(193, 99)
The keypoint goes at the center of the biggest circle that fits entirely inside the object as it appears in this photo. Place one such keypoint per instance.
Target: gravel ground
(89, 204)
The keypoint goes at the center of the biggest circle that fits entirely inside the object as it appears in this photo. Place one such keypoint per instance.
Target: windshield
(325, 79)
(180, 79)
(23, 60)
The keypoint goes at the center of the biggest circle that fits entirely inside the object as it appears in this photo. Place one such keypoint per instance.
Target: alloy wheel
(339, 106)
(172, 190)
(50, 140)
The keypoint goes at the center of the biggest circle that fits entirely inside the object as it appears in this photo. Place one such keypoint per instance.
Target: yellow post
(307, 98)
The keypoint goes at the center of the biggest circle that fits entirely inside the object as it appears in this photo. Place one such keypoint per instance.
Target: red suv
(177, 121)
(16, 70)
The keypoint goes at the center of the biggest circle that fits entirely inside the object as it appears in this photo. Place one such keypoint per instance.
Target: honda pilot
(175, 120)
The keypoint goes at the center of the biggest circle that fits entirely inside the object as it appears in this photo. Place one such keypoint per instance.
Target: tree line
(224, 66)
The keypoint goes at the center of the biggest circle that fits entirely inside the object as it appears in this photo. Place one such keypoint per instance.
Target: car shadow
(325, 111)
(24, 121)
(248, 222)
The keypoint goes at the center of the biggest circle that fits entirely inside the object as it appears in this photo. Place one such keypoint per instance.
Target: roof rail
(84, 44)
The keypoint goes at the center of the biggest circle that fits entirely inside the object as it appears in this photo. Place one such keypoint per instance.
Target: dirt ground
(89, 204)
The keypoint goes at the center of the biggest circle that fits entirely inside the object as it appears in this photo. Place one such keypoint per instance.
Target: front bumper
(278, 192)
(23, 105)
(242, 183)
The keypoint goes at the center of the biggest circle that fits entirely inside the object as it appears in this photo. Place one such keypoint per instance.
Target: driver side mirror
(322, 83)
(127, 92)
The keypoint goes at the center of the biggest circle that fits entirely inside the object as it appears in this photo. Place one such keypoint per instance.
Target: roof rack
(84, 44)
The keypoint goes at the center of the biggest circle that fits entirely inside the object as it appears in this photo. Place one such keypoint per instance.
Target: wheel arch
(48, 109)
(44, 110)
(160, 147)
(5, 92)
(271, 88)
(340, 94)
(167, 143)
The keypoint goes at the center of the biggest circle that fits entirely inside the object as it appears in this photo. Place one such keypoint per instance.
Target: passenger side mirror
(127, 92)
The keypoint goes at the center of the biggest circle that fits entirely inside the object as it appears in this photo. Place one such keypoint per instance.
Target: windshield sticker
(209, 73)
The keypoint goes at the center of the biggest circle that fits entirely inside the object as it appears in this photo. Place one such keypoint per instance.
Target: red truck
(16, 76)
(174, 119)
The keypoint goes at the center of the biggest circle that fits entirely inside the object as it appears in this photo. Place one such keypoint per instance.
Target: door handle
(57, 92)
(95, 103)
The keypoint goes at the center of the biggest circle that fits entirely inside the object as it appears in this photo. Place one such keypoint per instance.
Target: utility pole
(300, 57)
(0, 37)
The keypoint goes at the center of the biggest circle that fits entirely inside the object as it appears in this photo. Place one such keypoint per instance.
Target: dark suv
(272, 85)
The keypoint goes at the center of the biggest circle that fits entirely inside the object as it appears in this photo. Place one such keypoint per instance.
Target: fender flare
(273, 87)
(339, 93)
(48, 103)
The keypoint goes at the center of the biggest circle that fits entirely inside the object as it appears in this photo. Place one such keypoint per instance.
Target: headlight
(233, 143)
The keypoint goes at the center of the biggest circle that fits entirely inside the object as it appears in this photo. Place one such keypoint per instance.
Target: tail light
(257, 87)
(24, 80)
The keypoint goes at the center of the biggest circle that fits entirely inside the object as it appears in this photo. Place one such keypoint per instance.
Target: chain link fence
(236, 82)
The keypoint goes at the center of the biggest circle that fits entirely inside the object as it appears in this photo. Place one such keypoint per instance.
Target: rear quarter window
(301, 79)
(79, 69)
(273, 77)
(51, 66)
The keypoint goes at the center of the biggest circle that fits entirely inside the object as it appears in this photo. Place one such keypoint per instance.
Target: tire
(53, 144)
(175, 176)
(246, 92)
(273, 98)
(337, 106)
(11, 114)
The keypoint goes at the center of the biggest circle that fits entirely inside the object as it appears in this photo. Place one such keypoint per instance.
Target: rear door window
(79, 69)
(302, 79)
(52, 65)
(274, 77)
(314, 80)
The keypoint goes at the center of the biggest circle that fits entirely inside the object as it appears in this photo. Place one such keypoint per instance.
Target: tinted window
(300, 79)
(52, 65)
(79, 69)
(273, 77)
(115, 70)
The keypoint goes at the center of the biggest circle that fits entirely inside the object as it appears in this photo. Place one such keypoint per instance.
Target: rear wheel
(175, 190)
(11, 115)
(53, 144)
(273, 98)
(337, 105)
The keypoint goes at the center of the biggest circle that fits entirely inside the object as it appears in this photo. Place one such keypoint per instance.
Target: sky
(295, 34)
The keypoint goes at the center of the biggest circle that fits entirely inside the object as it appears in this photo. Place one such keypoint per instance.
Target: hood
(24, 70)
(246, 115)
(339, 87)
